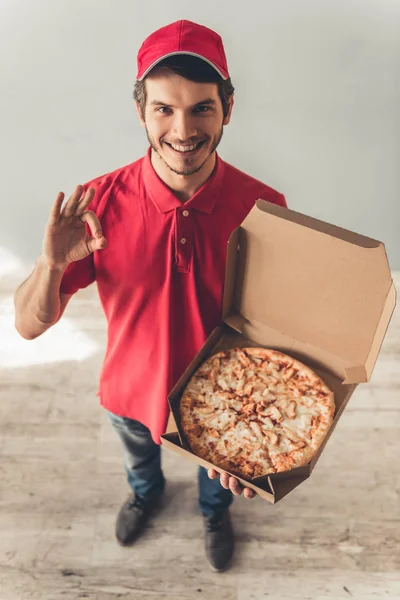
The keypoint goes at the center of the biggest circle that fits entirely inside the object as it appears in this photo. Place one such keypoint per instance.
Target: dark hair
(192, 68)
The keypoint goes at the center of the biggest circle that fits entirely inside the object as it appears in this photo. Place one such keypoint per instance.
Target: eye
(202, 109)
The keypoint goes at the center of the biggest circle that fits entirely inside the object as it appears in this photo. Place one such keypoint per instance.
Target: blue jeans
(144, 473)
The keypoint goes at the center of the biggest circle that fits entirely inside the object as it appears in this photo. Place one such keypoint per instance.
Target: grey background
(316, 110)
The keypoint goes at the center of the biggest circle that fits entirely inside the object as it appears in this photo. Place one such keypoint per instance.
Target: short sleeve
(282, 201)
(273, 196)
(78, 275)
(81, 273)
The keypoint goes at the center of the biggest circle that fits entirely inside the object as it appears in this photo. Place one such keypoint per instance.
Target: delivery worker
(153, 235)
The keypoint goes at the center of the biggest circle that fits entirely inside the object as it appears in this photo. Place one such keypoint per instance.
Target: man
(155, 241)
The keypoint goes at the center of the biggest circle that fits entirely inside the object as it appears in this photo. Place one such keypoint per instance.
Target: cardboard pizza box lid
(315, 288)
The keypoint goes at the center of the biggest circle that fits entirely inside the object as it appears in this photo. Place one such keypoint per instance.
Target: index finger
(85, 201)
(93, 221)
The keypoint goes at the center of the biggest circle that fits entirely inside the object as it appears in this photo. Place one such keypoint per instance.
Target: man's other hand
(231, 483)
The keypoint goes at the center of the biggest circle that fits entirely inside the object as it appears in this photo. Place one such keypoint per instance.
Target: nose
(183, 128)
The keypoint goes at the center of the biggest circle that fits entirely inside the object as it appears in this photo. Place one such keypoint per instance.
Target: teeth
(185, 148)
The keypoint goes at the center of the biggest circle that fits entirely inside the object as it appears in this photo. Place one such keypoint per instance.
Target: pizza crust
(255, 411)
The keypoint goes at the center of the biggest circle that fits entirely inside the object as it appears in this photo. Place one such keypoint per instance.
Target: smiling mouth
(187, 152)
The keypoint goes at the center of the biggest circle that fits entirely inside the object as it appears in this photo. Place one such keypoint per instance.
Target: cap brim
(147, 71)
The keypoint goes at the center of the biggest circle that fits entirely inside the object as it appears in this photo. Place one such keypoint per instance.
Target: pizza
(255, 411)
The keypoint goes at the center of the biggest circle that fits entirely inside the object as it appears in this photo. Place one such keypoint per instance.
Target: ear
(231, 102)
(143, 124)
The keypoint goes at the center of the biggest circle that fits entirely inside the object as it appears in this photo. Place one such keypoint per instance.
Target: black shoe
(219, 541)
(133, 516)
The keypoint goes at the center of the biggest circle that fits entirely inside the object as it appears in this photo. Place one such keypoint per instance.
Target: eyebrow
(206, 101)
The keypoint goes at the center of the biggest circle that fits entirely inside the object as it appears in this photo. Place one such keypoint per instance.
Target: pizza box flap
(322, 289)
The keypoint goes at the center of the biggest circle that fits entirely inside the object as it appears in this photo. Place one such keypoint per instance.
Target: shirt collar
(165, 200)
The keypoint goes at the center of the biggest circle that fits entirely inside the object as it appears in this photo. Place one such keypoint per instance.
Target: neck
(183, 186)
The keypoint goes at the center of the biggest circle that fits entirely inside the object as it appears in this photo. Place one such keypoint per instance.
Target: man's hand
(231, 483)
(65, 238)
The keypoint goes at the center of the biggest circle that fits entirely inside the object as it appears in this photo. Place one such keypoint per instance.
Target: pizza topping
(248, 390)
(196, 429)
(205, 410)
(298, 445)
(244, 359)
(291, 410)
(240, 385)
(222, 383)
(272, 437)
(290, 434)
(235, 404)
(266, 421)
(213, 374)
(202, 371)
(294, 390)
(285, 463)
(238, 371)
(258, 361)
(314, 424)
(307, 401)
(248, 470)
(260, 409)
(287, 374)
(257, 397)
(216, 363)
(264, 377)
(248, 408)
(274, 413)
(273, 369)
(257, 430)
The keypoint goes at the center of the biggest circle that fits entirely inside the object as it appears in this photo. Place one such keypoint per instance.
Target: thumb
(96, 243)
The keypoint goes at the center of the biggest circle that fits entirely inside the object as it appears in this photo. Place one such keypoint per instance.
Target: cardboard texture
(317, 292)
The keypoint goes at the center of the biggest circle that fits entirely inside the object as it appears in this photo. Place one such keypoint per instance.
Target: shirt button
(183, 240)
(185, 213)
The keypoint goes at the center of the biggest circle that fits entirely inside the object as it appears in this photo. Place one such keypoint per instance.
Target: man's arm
(38, 302)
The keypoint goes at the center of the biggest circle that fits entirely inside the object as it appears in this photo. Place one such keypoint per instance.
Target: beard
(186, 169)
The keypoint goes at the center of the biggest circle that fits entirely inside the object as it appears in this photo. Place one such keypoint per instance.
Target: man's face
(180, 112)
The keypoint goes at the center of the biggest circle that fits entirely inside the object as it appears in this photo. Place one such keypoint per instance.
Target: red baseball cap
(182, 37)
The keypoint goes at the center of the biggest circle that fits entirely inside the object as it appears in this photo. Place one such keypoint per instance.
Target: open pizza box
(320, 293)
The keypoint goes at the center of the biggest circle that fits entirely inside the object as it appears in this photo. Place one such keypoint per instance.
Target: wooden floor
(62, 483)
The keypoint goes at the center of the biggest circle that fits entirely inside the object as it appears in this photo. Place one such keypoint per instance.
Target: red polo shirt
(160, 280)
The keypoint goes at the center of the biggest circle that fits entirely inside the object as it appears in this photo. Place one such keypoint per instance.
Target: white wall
(316, 113)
